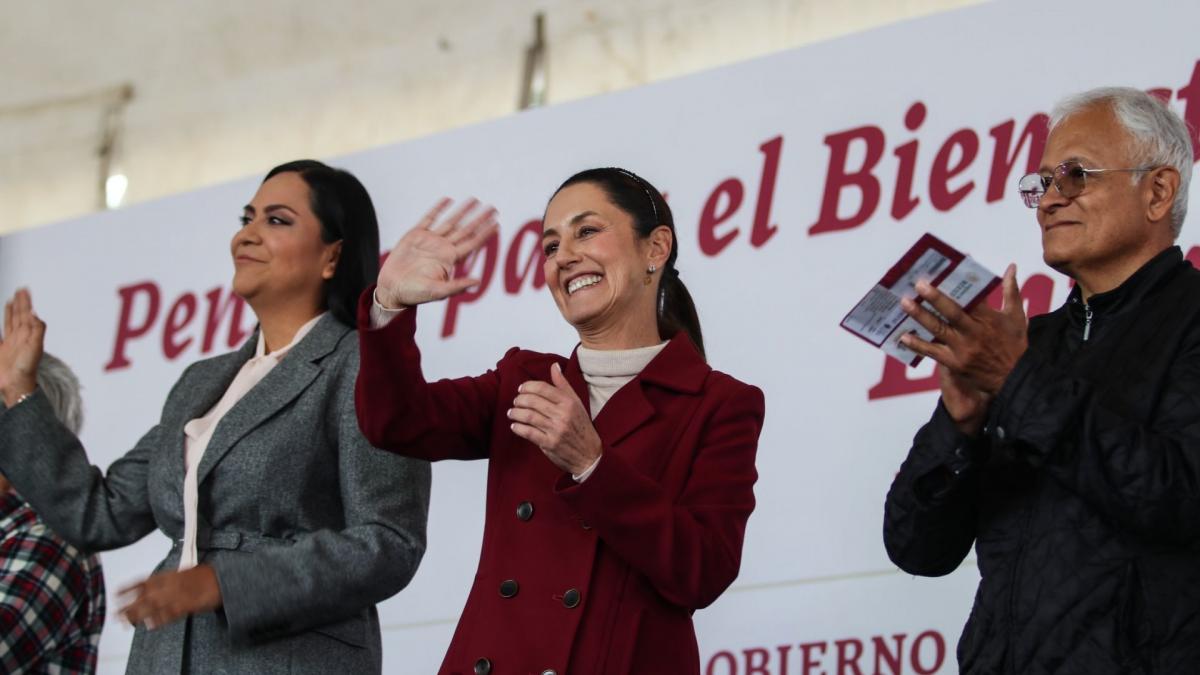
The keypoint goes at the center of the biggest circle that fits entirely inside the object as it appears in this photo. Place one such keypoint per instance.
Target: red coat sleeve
(399, 411)
(690, 546)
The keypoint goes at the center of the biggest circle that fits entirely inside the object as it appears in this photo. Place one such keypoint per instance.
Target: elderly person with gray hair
(51, 593)
(1066, 448)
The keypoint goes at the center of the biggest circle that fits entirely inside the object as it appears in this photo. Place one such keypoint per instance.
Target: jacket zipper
(1087, 321)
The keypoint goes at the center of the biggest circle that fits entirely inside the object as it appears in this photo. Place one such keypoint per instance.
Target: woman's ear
(661, 240)
(333, 253)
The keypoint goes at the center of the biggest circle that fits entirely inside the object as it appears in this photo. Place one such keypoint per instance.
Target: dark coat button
(571, 599)
(524, 511)
(509, 588)
(483, 667)
(584, 523)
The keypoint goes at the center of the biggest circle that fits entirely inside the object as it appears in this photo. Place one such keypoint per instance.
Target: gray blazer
(306, 524)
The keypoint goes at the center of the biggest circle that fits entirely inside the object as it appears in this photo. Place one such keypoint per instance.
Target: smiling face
(1105, 230)
(596, 268)
(279, 257)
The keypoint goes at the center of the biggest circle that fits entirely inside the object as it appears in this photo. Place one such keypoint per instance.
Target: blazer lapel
(198, 393)
(280, 387)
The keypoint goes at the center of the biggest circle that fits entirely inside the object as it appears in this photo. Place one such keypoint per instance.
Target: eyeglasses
(1069, 178)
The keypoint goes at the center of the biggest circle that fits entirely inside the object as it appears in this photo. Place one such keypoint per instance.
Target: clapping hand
(551, 416)
(975, 350)
(20, 347)
(420, 268)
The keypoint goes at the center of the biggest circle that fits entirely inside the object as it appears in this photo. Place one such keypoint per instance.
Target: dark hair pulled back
(344, 209)
(645, 204)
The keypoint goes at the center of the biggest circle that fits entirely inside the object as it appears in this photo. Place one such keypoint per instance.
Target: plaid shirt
(51, 597)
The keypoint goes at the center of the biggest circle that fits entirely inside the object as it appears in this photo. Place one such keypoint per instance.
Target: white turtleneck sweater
(605, 371)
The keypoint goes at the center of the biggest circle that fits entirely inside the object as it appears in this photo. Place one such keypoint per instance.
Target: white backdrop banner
(796, 180)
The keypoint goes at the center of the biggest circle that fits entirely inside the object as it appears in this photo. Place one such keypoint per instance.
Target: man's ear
(1163, 187)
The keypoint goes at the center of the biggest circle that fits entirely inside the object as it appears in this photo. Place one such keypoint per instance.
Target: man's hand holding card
(975, 346)
(975, 350)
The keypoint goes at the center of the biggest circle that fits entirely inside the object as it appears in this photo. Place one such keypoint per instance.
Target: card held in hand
(878, 317)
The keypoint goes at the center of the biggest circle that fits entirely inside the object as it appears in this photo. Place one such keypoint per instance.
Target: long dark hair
(346, 213)
(645, 204)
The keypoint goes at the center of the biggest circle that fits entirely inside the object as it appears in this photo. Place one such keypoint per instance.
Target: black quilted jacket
(1082, 496)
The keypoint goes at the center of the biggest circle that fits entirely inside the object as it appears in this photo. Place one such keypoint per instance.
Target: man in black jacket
(1067, 448)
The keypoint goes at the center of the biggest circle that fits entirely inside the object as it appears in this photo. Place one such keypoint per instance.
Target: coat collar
(678, 368)
(1136, 287)
(281, 386)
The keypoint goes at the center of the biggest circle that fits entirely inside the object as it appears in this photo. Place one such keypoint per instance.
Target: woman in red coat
(620, 479)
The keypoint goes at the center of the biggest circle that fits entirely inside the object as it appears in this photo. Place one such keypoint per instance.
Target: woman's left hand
(170, 596)
(551, 416)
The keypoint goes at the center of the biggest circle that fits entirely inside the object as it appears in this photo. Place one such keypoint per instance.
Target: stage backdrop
(795, 180)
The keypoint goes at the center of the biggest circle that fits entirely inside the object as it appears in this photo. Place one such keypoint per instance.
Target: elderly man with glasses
(1066, 448)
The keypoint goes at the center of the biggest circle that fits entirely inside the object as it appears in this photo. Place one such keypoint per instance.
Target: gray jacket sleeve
(47, 465)
(330, 575)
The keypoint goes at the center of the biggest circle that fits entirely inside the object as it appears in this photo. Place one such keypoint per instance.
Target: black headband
(645, 188)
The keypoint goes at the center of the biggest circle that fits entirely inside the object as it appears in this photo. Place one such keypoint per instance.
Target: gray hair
(1160, 136)
(61, 388)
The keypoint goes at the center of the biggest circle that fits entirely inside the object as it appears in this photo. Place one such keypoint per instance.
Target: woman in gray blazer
(287, 526)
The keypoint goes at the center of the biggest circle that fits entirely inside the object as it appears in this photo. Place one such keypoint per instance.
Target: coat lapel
(678, 368)
(538, 368)
(198, 393)
(280, 387)
(574, 377)
(624, 413)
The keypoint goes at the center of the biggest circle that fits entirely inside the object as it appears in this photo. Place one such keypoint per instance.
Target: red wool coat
(593, 578)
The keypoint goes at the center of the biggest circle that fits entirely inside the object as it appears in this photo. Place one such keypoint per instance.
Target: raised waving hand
(420, 268)
(20, 347)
